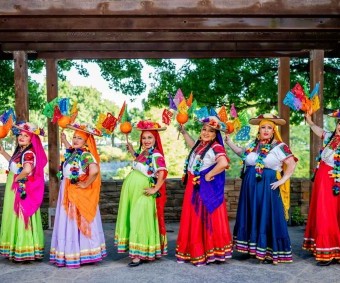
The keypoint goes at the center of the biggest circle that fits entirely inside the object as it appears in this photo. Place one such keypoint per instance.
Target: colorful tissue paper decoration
(125, 125)
(183, 107)
(6, 121)
(297, 99)
(60, 111)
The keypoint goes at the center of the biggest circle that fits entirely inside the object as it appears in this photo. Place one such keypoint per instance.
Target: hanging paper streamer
(243, 134)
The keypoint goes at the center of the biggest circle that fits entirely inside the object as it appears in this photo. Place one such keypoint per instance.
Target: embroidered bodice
(210, 158)
(327, 154)
(273, 160)
(158, 163)
(82, 164)
(27, 157)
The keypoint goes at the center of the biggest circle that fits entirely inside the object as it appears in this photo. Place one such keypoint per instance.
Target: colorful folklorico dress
(204, 233)
(322, 235)
(140, 228)
(78, 236)
(22, 235)
(261, 227)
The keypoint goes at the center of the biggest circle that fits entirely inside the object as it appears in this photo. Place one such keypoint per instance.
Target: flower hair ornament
(148, 125)
(28, 127)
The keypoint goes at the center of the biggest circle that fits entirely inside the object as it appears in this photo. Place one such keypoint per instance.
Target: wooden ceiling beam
(171, 46)
(89, 24)
(165, 7)
(151, 36)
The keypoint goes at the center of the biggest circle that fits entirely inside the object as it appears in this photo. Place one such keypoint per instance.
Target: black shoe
(267, 261)
(134, 264)
(324, 263)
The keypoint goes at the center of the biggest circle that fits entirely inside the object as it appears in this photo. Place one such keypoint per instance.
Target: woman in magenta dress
(322, 235)
(204, 234)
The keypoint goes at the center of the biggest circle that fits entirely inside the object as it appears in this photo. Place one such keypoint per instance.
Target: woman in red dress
(322, 235)
(204, 234)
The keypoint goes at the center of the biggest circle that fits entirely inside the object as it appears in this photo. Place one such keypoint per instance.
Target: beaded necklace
(72, 156)
(263, 148)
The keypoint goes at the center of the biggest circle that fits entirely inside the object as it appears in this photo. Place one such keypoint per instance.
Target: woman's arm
(221, 165)
(291, 163)
(26, 170)
(93, 172)
(238, 150)
(64, 141)
(130, 149)
(188, 139)
(155, 189)
(4, 153)
(316, 129)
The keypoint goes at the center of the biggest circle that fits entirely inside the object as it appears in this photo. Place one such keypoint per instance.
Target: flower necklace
(22, 182)
(263, 148)
(151, 168)
(335, 146)
(72, 156)
(196, 168)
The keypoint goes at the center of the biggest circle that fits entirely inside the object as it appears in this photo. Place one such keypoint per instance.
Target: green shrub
(44, 219)
(297, 218)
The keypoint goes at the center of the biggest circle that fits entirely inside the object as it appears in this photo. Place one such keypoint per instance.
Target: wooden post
(316, 76)
(53, 140)
(21, 85)
(284, 86)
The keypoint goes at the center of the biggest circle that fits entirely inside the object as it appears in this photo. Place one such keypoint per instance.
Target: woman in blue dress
(261, 228)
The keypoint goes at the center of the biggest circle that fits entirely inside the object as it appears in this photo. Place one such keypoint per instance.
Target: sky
(95, 80)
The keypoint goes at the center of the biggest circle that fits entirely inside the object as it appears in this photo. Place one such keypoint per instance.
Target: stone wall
(111, 190)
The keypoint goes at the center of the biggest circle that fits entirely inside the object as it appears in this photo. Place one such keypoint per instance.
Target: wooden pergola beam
(166, 36)
(174, 23)
(169, 46)
(165, 7)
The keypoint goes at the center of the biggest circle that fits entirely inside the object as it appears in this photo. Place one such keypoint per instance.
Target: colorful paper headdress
(275, 119)
(27, 127)
(149, 126)
(6, 121)
(211, 118)
(85, 128)
(335, 114)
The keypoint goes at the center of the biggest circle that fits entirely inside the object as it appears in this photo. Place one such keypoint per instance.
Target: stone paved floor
(114, 267)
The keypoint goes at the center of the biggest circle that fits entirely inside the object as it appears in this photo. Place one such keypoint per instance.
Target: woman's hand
(129, 147)
(208, 177)
(308, 118)
(181, 129)
(82, 185)
(277, 184)
(63, 138)
(150, 191)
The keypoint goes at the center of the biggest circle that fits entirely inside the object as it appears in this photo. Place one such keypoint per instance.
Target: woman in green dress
(22, 235)
(140, 228)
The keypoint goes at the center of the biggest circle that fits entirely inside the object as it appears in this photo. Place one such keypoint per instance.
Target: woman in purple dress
(78, 236)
